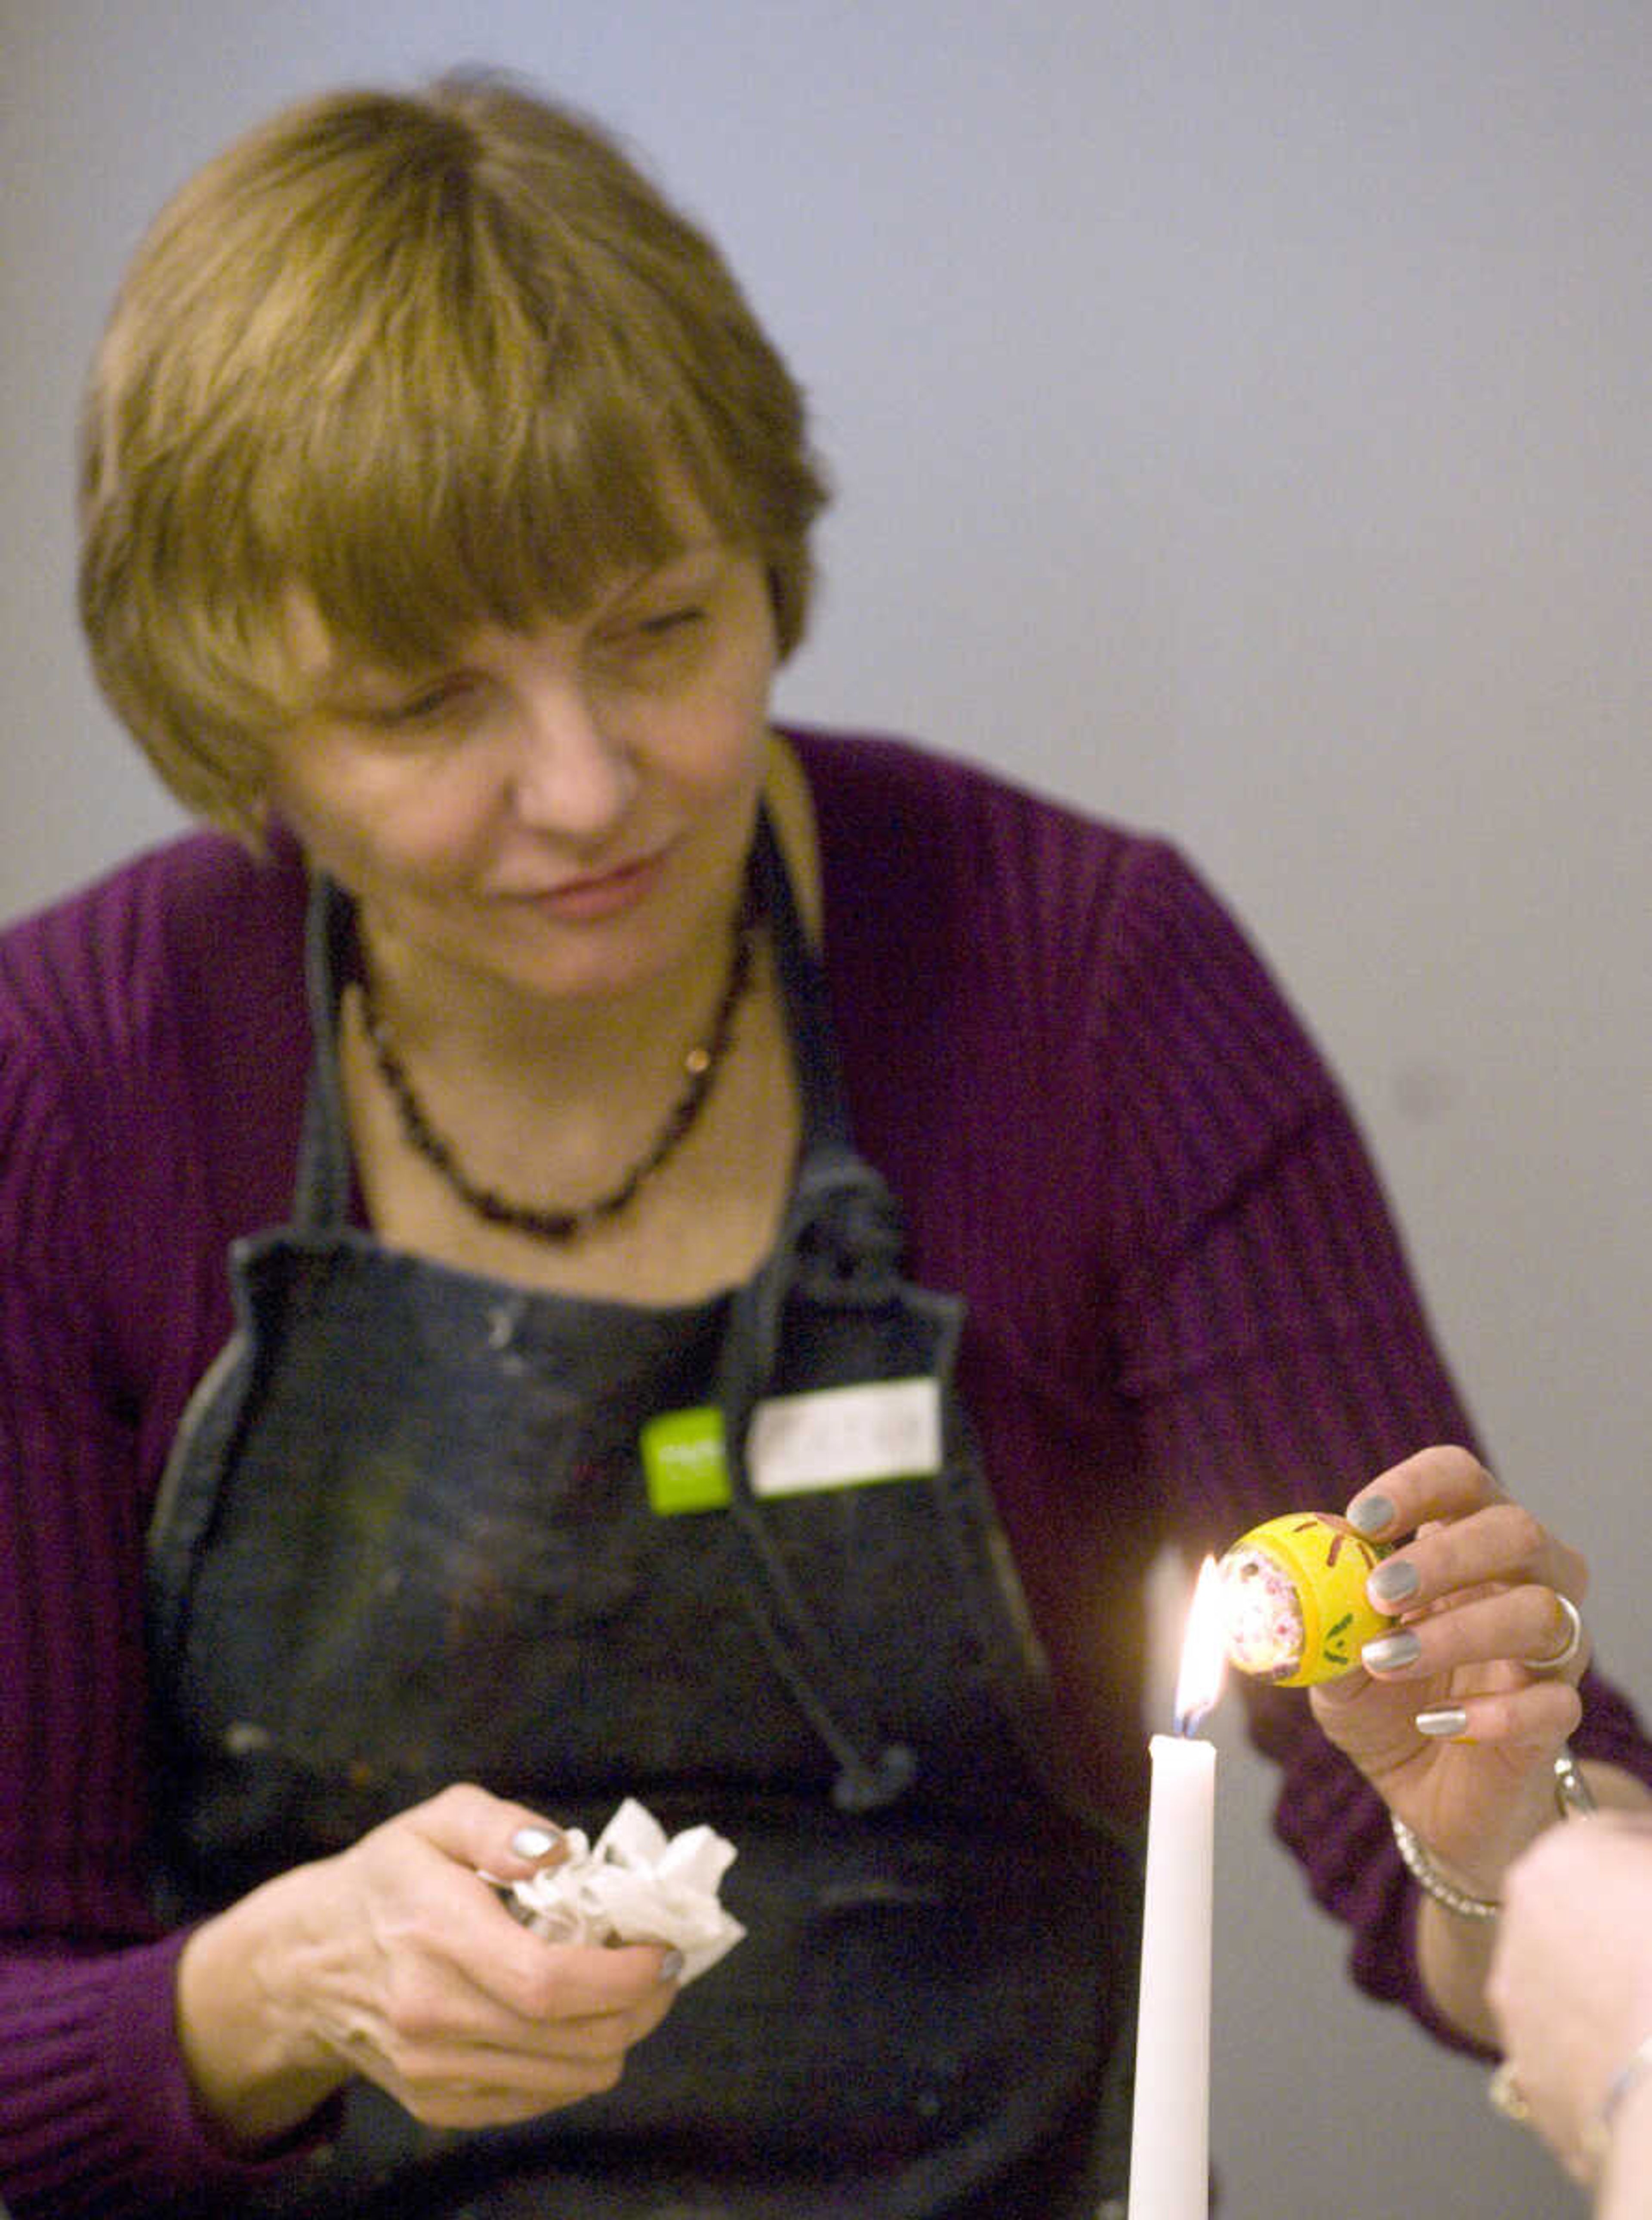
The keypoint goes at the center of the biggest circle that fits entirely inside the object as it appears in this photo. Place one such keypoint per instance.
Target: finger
(1521, 1721)
(455, 2101)
(1567, 1658)
(531, 1985)
(1436, 1483)
(480, 2084)
(1519, 1624)
(492, 2083)
(426, 1933)
(610, 2032)
(1501, 1544)
(576, 2039)
(518, 1985)
(592, 1980)
(466, 1844)
(518, 2024)
(489, 1833)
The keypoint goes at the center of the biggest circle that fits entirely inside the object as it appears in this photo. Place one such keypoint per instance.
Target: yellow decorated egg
(1294, 1601)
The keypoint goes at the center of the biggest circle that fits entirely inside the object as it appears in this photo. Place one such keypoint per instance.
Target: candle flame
(1204, 1651)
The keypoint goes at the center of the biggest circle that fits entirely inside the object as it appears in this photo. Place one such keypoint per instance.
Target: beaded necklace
(700, 1069)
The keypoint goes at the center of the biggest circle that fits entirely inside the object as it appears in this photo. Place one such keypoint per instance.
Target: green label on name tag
(685, 1462)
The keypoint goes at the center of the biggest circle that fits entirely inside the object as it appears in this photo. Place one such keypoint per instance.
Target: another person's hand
(1571, 1981)
(396, 1961)
(1460, 1711)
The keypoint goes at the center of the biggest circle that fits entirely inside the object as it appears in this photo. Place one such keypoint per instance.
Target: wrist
(1455, 1896)
(256, 2068)
(1468, 1897)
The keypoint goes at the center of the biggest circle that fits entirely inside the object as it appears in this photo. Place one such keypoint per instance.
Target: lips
(598, 894)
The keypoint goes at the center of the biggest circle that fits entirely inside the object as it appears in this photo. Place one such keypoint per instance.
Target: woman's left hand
(1461, 1709)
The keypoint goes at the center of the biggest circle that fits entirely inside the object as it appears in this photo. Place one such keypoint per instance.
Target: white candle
(1169, 2147)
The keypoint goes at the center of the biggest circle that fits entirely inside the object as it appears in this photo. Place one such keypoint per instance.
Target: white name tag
(843, 1436)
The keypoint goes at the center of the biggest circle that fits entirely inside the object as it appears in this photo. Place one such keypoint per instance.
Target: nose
(571, 774)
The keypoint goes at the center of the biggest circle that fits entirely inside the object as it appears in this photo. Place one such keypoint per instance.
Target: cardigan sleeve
(1269, 1334)
(96, 2112)
(1190, 1308)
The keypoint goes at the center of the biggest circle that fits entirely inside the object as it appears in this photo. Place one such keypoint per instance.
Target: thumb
(506, 1840)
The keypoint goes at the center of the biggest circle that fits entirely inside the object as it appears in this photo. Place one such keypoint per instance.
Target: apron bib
(406, 1538)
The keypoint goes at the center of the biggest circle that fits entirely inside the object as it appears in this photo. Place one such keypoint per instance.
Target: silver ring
(1569, 1648)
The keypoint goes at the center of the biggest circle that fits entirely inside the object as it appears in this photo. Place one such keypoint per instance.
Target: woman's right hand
(396, 1961)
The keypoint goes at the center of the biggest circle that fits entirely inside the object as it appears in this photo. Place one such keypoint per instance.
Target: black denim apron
(404, 1539)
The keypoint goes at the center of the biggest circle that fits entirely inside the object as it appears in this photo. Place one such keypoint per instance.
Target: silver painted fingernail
(533, 1842)
(1443, 1725)
(671, 1965)
(1393, 1580)
(1371, 1514)
(1391, 1653)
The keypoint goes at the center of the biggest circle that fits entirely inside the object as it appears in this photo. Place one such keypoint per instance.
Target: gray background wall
(1241, 417)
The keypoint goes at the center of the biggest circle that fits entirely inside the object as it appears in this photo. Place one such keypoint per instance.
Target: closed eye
(651, 648)
(429, 705)
(667, 621)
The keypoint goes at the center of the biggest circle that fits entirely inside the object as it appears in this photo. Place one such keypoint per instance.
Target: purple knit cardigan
(1187, 1310)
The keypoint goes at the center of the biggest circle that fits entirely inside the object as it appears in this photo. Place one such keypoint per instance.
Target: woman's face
(566, 812)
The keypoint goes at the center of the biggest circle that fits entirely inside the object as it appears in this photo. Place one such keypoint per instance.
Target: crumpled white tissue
(635, 1884)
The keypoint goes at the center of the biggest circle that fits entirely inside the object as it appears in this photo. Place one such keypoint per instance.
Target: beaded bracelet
(1573, 1797)
(1427, 1875)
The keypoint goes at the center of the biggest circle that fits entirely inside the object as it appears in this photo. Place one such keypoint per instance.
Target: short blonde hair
(435, 360)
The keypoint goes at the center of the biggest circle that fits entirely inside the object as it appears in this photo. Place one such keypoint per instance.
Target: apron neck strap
(324, 1188)
(803, 992)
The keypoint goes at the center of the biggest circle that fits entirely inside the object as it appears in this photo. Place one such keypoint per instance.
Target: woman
(690, 1192)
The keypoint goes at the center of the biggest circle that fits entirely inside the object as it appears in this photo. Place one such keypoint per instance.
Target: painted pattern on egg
(1293, 1598)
